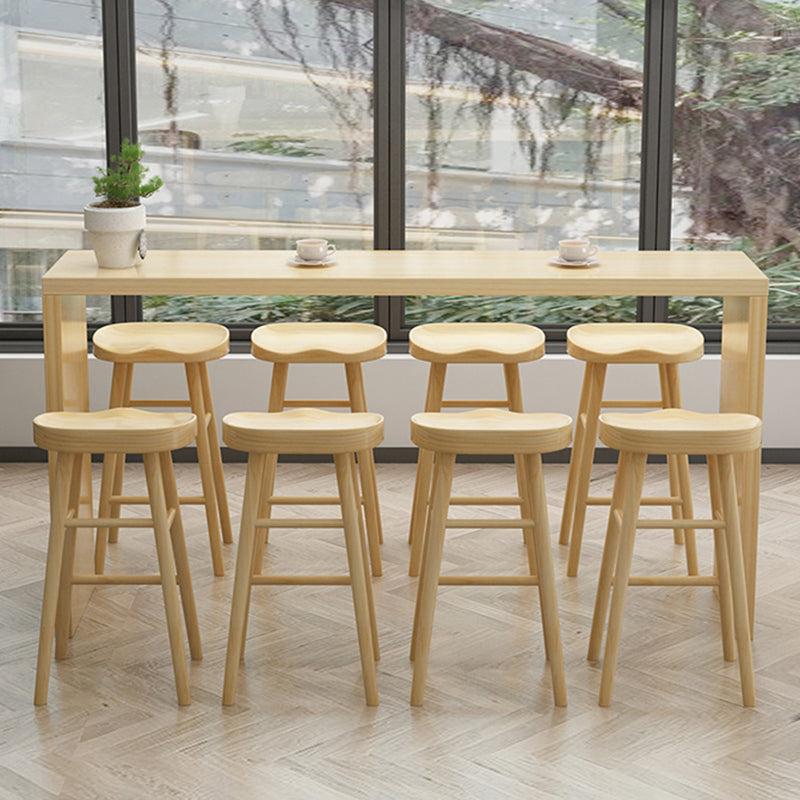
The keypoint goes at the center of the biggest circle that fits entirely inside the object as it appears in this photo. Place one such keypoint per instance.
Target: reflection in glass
(259, 118)
(523, 128)
(737, 145)
(51, 143)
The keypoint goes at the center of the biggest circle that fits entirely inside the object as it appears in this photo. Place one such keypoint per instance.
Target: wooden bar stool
(306, 431)
(347, 343)
(192, 344)
(601, 344)
(484, 431)
(443, 343)
(675, 432)
(70, 436)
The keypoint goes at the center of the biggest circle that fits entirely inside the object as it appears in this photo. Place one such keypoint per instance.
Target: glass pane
(258, 117)
(523, 128)
(51, 143)
(737, 146)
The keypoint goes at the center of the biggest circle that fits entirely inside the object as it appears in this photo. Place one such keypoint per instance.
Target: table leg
(66, 368)
(744, 343)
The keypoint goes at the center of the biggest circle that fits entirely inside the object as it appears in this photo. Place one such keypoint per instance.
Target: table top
(412, 272)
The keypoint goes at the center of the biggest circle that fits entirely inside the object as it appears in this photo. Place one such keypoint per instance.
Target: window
(258, 117)
(522, 123)
(51, 141)
(737, 145)
(518, 135)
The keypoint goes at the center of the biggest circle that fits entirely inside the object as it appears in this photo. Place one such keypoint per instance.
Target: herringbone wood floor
(488, 729)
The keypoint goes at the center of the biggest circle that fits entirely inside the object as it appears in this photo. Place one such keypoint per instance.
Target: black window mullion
(658, 107)
(389, 126)
(119, 70)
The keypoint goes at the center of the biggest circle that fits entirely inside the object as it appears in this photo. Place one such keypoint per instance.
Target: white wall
(396, 388)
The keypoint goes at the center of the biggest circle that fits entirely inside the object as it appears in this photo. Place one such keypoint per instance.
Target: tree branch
(619, 85)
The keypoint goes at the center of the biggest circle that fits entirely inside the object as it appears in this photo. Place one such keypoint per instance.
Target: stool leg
(244, 569)
(366, 469)
(64, 610)
(259, 467)
(514, 396)
(181, 557)
(59, 500)
(733, 541)
(583, 474)
(723, 568)
(422, 483)
(678, 465)
(166, 566)
(204, 461)
(429, 579)
(346, 480)
(373, 623)
(576, 457)
(632, 480)
(610, 549)
(426, 534)
(547, 580)
(277, 396)
(216, 457)
(121, 385)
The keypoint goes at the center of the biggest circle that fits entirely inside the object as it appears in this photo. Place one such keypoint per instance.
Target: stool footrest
(672, 580)
(632, 404)
(475, 500)
(686, 524)
(160, 403)
(605, 500)
(316, 403)
(488, 580)
(300, 500)
(474, 403)
(143, 500)
(489, 523)
(116, 522)
(300, 522)
(105, 580)
(300, 580)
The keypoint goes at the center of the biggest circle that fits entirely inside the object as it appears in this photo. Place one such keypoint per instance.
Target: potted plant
(116, 223)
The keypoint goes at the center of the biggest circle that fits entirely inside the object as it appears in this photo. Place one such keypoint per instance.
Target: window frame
(655, 206)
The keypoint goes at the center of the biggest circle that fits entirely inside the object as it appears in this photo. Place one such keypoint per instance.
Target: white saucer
(561, 262)
(296, 261)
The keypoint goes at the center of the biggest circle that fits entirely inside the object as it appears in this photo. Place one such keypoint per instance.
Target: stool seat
(318, 342)
(634, 343)
(675, 430)
(476, 342)
(489, 430)
(302, 430)
(115, 430)
(161, 342)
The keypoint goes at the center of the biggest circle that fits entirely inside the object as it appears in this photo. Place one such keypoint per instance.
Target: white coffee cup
(314, 249)
(576, 249)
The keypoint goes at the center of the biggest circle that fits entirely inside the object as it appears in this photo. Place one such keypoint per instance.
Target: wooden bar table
(730, 275)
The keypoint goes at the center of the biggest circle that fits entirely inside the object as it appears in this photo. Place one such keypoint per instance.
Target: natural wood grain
(160, 342)
(120, 430)
(476, 342)
(488, 430)
(318, 342)
(301, 430)
(634, 343)
(384, 272)
(675, 431)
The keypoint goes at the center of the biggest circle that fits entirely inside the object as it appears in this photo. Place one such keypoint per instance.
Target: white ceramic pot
(115, 234)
